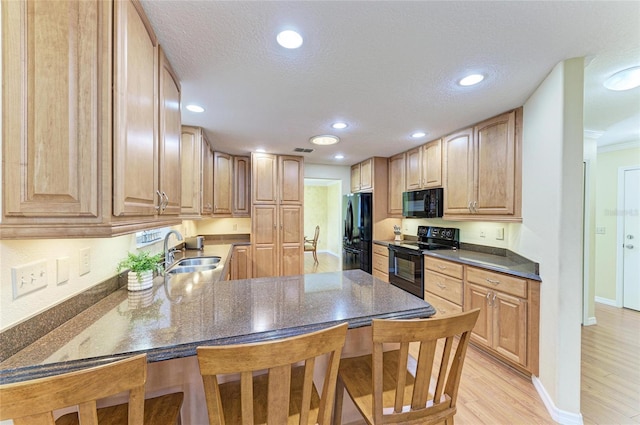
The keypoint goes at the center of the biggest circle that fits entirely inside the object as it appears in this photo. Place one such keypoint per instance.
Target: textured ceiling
(388, 68)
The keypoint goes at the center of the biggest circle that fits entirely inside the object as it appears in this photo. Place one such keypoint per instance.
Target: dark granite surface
(496, 259)
(180, 313)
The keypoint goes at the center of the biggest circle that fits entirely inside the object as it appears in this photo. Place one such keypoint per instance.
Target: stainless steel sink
(196, 264)
(199, 261)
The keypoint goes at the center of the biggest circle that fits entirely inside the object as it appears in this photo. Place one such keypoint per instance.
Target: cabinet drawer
(380, 275)
(498, 281)
(443, 266)
(441, 305)
(381, 262)
(443, 286)
(381, 249)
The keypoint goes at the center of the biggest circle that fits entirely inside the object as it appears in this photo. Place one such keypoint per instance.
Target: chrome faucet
(168, 253)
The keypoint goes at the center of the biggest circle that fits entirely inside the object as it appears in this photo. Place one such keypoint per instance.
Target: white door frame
(620, 233)
(587, 296)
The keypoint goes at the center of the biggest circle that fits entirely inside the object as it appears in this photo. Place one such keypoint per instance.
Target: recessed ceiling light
(339, 156)
(418, 134)
(472, 79)
(260, 150)
(325, 139)
(626, 79)
(289, 39)
(194, 108)
(339, 125)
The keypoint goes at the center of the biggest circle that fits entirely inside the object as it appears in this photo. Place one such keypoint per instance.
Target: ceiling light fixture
(339, 156)
(472, 79)
(418, 134)
(260, 150)
(194, 108)
(626, 79)
(324, 140)
(339, 125)
(289, 39)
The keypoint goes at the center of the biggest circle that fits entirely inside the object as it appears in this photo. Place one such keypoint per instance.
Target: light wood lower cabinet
(381, 262)
(240, 267)
(443, 285)
(508, 324)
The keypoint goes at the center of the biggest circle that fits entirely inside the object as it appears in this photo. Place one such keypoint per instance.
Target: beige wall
(590, 172)
(606, 217)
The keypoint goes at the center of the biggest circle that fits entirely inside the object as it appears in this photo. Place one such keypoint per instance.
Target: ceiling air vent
(305, 150)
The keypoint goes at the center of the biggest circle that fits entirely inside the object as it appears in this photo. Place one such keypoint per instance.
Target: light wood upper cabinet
(241, 186)
(432, 164)
(55, 113)
(483, 170)
(207, 178)
(362, 176)
(414, 169)
(170, 132)
(290, 179)
(277, 179)
(191, 167)
(135, 144)
(222, 180)
(396, 184)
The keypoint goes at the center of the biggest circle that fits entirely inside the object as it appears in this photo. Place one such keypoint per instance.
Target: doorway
(322, 207)
(628, 252)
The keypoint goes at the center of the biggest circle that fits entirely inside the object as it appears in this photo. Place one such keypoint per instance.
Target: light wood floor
(492, 393)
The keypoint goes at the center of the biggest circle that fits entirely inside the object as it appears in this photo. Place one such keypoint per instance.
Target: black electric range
(406, 262)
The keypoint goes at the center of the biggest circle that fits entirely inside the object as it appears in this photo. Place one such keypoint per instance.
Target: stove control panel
(438, 233)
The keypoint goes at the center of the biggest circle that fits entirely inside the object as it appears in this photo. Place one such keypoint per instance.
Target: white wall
(590, 156)
(334, 172)
(551, 231)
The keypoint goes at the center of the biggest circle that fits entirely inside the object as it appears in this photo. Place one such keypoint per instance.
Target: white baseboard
(590, 321)
(606, 301)
(558, 415)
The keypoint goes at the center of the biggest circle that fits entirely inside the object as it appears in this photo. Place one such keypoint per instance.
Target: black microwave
(423, 203)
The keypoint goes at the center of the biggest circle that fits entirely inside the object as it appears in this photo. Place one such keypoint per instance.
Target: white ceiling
(388, 68)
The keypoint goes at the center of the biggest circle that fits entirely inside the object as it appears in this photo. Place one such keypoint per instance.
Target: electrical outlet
(235, 227)
(500, 233)
(483, 233)
(62, 270)
(601, 230)
(85, 261)
(28, 278)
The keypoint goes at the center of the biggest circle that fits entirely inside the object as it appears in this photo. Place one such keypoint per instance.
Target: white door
(631, 241)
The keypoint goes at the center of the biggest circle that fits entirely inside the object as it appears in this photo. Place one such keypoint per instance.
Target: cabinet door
(477, 297)
(135, 88)
(55, 105)
(414, 169)
(432, 164)
(264, 173)
(510, 327)
(222, 177)
(264, 240)
(291, 240)
(355, 178)
(241, 262)
(291, 179)
(241, 186)
(396, 184)
(191, 167)
(170, 130)
(458, 177)
(207, 178)
(495, 165)
(366, 174)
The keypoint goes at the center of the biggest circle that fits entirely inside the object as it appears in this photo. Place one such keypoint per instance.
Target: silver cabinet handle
(629, 246)
(493, 300)
(470, 209)
(488, 296)
(495, 282)
(165, 202)
(441, 267)
(159, 206)
(441, 286)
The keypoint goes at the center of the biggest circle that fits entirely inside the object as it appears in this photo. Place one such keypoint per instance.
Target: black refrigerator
(357, 231)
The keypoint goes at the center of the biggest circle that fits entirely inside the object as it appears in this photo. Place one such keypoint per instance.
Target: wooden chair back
(435, 390)
(277, 358)
(33, 402)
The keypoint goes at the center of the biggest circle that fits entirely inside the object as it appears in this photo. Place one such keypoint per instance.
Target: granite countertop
(495, 259)
(183, 312)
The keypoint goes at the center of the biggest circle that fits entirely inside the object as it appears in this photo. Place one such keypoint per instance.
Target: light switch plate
(62, 270)
(84, 261)
(500, 233)
(28, 278)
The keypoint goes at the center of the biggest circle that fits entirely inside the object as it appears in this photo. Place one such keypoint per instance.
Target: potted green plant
(141, 267)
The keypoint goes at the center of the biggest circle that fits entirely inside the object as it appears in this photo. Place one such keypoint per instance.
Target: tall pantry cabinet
(277, 192)
(82, 128)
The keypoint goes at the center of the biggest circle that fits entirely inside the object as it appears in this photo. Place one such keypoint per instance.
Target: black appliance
(406, 261)
(426, 203)
(358, 231)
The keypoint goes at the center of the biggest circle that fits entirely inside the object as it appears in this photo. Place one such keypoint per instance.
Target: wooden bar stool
(33, 402)
(384, 386)
(285, 394)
